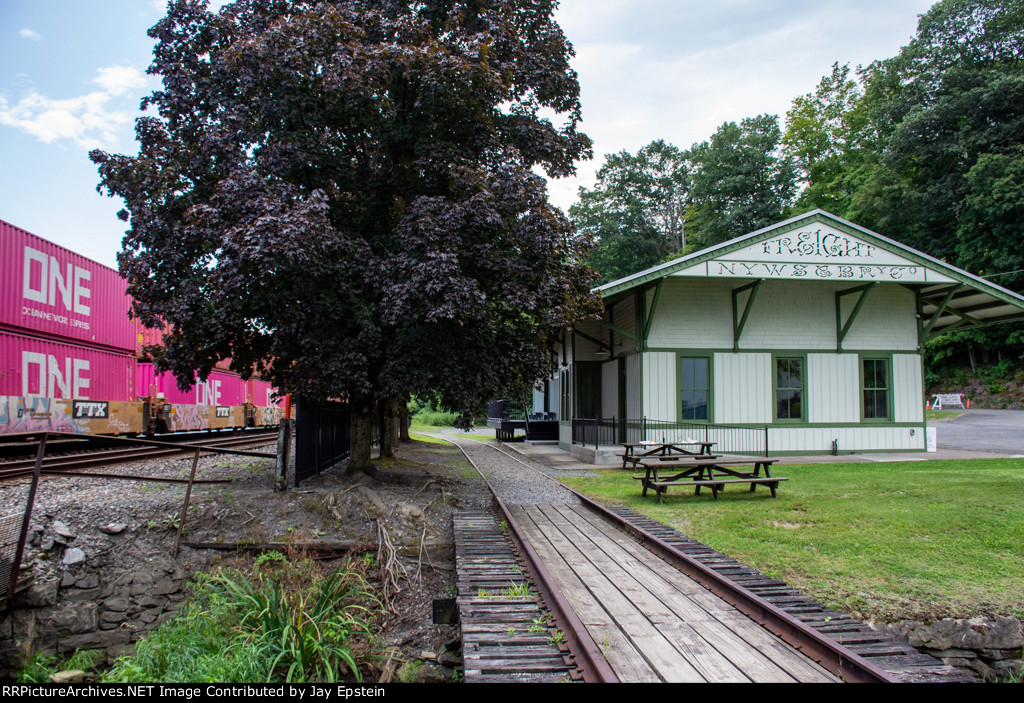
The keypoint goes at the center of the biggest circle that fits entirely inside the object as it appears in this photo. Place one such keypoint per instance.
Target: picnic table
(700, 471)
(636, 452)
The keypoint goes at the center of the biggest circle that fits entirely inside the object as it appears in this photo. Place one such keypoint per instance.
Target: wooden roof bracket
(619, 330)
(601, 344)
(650, 314)
(738, 321)
(941, 309)
(843, 329)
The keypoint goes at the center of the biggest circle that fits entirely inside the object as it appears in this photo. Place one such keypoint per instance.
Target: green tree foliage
(341, 195)
(635, 212)
(741, 181)
(989, 235)
(831, 141)
(950, 97)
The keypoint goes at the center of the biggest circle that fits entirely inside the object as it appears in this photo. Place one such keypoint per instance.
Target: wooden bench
(666, 451)
(699, 471)
(717, 484)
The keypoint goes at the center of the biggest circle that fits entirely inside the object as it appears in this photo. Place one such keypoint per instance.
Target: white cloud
(119, 79)
(29, 34)
(87, 120)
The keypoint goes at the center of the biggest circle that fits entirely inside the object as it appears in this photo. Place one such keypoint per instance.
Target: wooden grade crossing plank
(505, 637)
(901, 660)
(762, 655)
(668, 624)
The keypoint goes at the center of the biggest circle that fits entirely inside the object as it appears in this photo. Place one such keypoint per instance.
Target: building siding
(633, 410)
(908, 394)
(624, 317)
(833, 388)
(660, 386)
(886, 321)
(789, 315)
(865, 438)
(610, 388)
(742, 386)
(692, 313)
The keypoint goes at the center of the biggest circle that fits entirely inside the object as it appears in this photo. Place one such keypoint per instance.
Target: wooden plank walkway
(899, 659)
(652, 622)
(505, 637)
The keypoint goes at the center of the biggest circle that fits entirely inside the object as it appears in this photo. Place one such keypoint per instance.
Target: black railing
(505, 410)
(322, 436)
(611, 431)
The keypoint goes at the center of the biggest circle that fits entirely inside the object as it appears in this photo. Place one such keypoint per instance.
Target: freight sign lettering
(759, 269)
(89, 409)
(46, 282)
(819, 244)
(42, 374)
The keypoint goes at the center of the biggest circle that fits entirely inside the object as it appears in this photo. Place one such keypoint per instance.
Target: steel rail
(840, 660)
(592, 664)
(153, 450)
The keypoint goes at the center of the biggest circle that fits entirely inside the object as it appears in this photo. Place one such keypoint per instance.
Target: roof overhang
(819, 246)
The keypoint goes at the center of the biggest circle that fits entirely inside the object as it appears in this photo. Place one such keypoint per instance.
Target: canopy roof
(819, 246)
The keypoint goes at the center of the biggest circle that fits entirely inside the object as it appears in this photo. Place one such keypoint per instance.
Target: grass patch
(290, 621)
(919, 540)
(43, 666)
(930, 415)
(416, 433)
(466, 470)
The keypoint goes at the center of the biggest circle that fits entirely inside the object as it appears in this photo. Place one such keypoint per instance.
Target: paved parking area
(1000, 432)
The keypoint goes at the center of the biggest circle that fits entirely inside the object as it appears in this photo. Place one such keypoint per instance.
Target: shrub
(290, 621)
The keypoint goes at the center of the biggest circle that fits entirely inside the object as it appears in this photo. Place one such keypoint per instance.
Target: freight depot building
(812, 328)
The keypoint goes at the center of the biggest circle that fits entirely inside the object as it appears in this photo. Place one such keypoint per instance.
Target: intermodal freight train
(71, 359)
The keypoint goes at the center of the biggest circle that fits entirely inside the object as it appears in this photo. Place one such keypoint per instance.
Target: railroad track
(70, 463)
(834, 646)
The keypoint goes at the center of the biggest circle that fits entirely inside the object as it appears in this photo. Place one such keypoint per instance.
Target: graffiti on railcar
(188, 417)
(21, 414)
(268, 416)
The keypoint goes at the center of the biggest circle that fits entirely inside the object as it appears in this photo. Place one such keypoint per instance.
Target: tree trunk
(403, 421)
(387, 449)
(361, 427)
(394, 409)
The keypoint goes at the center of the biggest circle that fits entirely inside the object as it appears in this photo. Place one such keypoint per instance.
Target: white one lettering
(27, 291)
(72, 284)
(28, 360)
(43, 374)
(208, 393)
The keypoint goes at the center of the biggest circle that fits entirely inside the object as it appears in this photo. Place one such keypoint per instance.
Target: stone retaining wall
(86, 610)
(989, 647)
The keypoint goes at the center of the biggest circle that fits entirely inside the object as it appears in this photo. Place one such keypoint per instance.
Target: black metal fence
(505, 410)
(611, 431)
(322, 436)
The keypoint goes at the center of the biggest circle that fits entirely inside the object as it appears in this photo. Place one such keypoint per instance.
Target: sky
(72, 74)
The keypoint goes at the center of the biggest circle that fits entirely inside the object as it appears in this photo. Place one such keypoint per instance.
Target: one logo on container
(42, 374)
(48, 282)
(208, 392)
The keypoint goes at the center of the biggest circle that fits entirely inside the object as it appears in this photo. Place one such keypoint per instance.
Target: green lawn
(930, 415)
(916, 540)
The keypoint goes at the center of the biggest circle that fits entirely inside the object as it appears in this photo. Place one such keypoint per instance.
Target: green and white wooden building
(812, 328)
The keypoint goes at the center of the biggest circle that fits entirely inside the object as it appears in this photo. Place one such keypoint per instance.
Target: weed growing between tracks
(290, 620)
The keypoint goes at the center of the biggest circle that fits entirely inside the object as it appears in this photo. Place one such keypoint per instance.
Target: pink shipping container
(261, 394)
(30, 366)
(148, 337)
(219, 389)
(48, 290)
